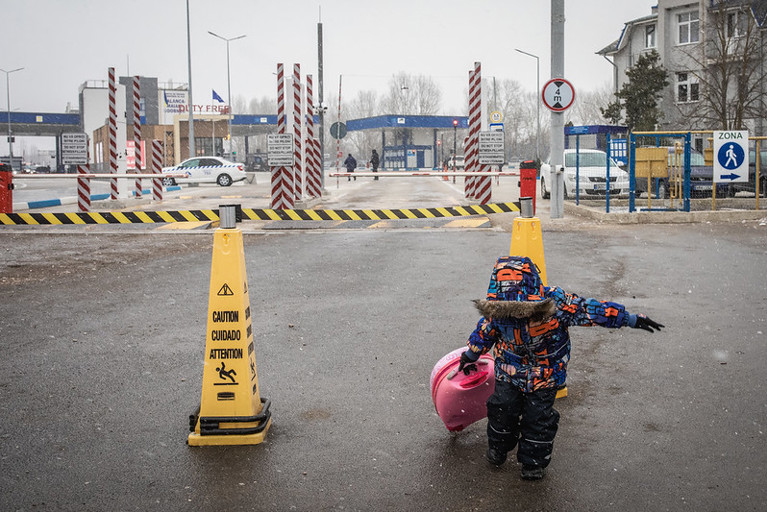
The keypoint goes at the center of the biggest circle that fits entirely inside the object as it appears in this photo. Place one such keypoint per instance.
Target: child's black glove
(643, 322)
(467, 363)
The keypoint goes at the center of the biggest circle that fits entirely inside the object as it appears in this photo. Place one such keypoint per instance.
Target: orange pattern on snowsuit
(532, 353)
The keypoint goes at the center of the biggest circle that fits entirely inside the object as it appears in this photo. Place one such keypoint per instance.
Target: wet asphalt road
(102, 363)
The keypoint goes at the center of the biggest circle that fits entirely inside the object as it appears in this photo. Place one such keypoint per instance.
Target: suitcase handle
(474, 379)
(453, 373)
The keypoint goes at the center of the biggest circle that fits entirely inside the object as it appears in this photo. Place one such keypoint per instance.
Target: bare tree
(413, 95)
(730, 70)
(264, 105)
(519, 109)
(365, 104)
(587, 108)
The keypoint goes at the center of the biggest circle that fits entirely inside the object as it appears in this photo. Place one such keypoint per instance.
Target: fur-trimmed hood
(504, 309)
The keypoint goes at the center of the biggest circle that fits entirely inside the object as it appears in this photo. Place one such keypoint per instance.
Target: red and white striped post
(84, 186)
(298, 185)
(282, 179)
(157, 169)
(471, 151)
(313, 178)
(137, 131)
(338, 140)
(83, 189)
(112, 128)
(483, 185)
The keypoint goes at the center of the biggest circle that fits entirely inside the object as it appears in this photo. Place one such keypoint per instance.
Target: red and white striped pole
(137, 130)
(112, 131)
(84, 187)
(471, 151)
(338, 140)
(282, 179)
(298, 185)
(313, 178)
(483, 185)
(157, 169)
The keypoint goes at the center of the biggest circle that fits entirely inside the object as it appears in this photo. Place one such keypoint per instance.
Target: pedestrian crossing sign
(730, 156)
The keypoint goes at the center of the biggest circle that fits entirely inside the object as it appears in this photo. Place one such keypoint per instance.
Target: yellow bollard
(527, 240)
(231, 411)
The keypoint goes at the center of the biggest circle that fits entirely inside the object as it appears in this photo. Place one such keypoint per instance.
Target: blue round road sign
(731, 156)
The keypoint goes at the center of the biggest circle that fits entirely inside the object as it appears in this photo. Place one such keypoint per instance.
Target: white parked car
(592, 174)
(206, 169)
(459, 163)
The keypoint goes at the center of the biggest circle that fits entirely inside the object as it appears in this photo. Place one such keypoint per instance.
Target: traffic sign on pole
(338, 130)
(74, 149)
(491, 148)
(279, 147)
(558, 94)
(730, 156)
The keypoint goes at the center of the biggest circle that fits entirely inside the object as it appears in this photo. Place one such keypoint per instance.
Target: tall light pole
(8, 93)
(191, 101)
(537, 101)
(228, 85)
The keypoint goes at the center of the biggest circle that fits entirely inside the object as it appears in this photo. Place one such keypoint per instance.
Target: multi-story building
(714, 52)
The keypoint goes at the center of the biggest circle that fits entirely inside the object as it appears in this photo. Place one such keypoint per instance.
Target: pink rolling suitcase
(461, 399)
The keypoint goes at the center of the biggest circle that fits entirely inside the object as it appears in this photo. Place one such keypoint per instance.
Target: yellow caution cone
(527, 240)
(231, 411)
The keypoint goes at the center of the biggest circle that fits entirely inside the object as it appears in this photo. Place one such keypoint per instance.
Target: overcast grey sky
(62, 43)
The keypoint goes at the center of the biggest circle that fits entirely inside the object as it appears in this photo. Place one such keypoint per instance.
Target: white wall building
(691, 37)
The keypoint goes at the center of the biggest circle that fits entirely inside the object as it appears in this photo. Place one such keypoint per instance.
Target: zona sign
(558, 94)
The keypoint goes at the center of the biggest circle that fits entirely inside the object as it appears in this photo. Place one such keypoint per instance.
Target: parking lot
(103, 335)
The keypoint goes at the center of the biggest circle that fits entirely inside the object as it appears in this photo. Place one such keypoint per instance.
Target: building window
(649, 36)
(732, 25)
(689, 27)
(687, 88)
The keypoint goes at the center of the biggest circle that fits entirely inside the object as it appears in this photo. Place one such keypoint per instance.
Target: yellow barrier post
(527, 240)
(231, 411)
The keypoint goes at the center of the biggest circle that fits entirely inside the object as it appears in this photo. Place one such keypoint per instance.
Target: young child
(527, 323)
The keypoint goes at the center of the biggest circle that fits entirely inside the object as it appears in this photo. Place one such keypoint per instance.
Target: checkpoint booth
(411, 142)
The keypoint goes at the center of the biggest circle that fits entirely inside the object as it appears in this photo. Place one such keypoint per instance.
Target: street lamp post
(537, 101)
(8, 97)
(228, 85)
(192, 150)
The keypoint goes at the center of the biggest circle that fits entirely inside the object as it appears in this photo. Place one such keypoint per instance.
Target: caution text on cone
(231, 411)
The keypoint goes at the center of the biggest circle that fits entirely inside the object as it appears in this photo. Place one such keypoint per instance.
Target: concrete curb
(661, 217)
(47, 203)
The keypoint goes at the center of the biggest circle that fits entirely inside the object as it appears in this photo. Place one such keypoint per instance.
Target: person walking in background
(374, 161)
(350, 163)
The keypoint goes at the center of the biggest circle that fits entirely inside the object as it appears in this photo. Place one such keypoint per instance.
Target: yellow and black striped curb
(153, 217)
